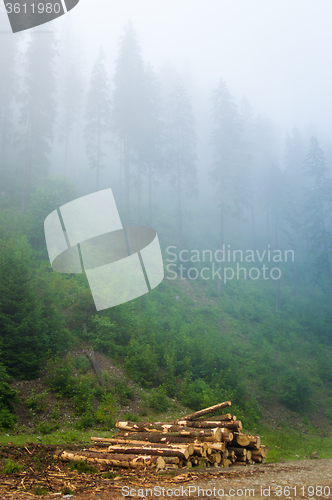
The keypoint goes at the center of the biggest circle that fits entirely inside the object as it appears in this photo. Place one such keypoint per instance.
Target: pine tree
(180, 138)
(23, 341)
(8, 93)
(318, 210)
(71, 94)
(38, 111)
(293, 193)
(128, 106)
(230, 172)
(98, 115)
(150, 159)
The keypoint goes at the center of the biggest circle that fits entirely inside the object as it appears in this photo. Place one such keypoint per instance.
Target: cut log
(225, 462)
(255, 442)
(208, 424)
(226, 416)
(115, 460)
(264, 451)
(217, 447)
(206, 411)
(239, 452)
(240, 439)
(183, 453)
(130, 445)
(163, 428)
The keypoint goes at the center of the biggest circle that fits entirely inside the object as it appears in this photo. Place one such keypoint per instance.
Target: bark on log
(129, 445)
(217, 447)
(239, 452)
(183, 453)
(213, 435)
(255, 442)
(115, 460)
(206, 411)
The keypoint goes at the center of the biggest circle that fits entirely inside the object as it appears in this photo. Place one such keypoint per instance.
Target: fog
(276, 53)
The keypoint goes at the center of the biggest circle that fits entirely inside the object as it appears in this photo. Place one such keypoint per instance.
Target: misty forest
(243, 212)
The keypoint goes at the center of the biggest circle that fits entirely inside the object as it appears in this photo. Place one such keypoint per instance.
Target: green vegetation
(11, 467)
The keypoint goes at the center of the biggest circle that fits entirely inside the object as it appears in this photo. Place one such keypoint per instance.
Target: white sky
(275, 52)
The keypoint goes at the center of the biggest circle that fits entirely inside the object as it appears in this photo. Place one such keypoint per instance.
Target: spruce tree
(128, 106)
(23, 341)
(9, 83)
(38, 111)
(71, 95)
(98, 115)
(317, 210)
(230, 173)
(180, 142)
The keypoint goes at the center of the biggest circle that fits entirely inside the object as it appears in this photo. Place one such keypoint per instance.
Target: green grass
(60, 437)
(294, 444)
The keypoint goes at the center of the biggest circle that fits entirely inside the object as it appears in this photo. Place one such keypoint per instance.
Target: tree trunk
(206, 411)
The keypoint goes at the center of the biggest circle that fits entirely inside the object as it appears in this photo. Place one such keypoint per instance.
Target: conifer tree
(71, 91)
(229, 173)
(98, 115)
(318, 210)
(22, 337)
(128, 106)
(38, 111)
(9, 84)
(293, 193)
(180, 138)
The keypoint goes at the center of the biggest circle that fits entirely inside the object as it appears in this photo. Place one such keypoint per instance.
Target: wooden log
(226, 416)
(234, 425)
(264, 451)
(115, 460)
(209, 424)
(214, 434)
(256, 458)
(225, 462)
(239, 452)
(172, 460)
(206, 411)
(255, 442)
(128, 445)
(217, 447)
(214, 458)
(181, 452)
(240, 439)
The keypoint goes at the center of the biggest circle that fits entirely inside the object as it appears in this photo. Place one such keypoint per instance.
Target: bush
(157, 400)
(11, 467)
(107, 411)
(37, 402)
(123, 393)
(296, 390)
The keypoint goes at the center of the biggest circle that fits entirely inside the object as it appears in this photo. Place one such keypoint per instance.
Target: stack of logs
(188, 442)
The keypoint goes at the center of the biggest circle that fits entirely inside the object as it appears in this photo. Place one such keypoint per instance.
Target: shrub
(11, 467)
(123, 392)
(37, 402)
(296, 390)
(157, 400)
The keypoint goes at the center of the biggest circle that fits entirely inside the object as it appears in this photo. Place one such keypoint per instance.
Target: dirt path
(307, 479)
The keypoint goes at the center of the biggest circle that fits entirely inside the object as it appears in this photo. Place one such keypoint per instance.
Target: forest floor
(39, 475)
